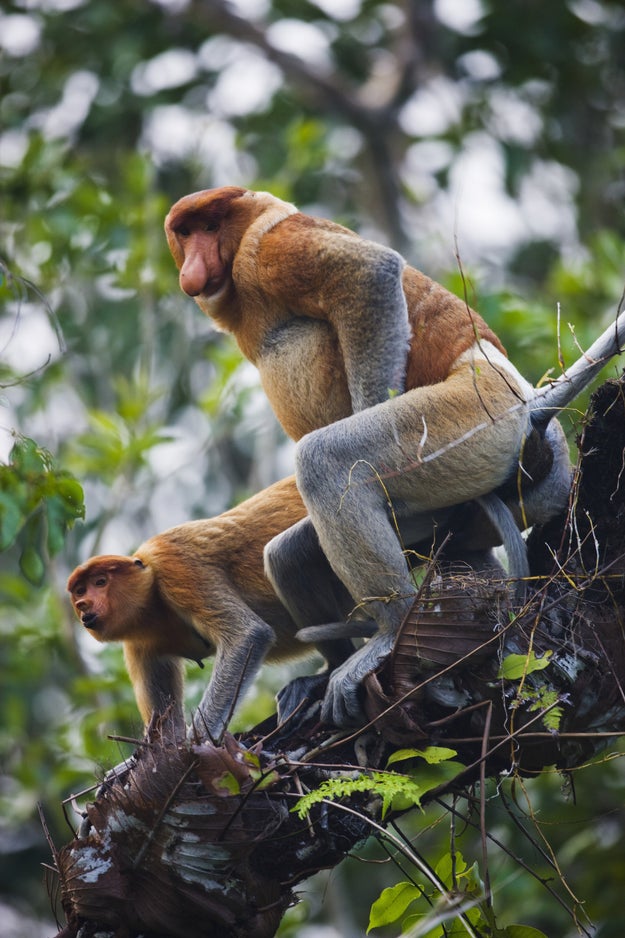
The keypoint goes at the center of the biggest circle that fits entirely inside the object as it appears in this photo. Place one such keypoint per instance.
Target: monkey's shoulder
(308, 225)
(303, 252)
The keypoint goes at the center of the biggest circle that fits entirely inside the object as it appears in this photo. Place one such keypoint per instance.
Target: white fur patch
(486, 351)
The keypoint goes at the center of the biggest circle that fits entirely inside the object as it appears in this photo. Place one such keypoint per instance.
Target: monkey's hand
(341, 705)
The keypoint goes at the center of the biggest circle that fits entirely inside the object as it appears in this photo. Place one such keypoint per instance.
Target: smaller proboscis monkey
(199, 589)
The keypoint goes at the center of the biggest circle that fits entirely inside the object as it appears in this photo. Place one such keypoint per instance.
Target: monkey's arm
(158, 683)
(324, 272)
(244, 642)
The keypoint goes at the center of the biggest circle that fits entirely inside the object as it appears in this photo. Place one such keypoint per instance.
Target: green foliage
(393, 903)
(536, 696)
(117, 445)
(398, 792)
(545, 700)
(456, 907)
(433, 755)
(514, 667)
(38, 504)
(457, 901)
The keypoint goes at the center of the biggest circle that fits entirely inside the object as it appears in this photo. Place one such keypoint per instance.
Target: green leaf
(522, 931)
(251, 758)
(71, 492)
(32, 565)
(446, 868)
(56, 517)
(399, 791)
(432, 755)
(263, 780)
(11, 519)
(474, 884)
(514, 667)
(392, 904)
(27, 457)
(553, 718)
(227, 782)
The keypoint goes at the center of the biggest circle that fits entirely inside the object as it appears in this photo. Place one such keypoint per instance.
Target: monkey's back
(443, 327)
(212, 571)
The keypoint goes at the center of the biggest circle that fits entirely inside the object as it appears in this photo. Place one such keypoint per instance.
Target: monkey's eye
(183, 231)
(100, 581)
(79, 591)
(138, 562)
(211, 226)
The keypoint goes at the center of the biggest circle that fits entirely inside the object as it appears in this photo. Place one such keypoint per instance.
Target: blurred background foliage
(484, 140)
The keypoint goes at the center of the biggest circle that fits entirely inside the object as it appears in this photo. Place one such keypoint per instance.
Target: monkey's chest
(302, 373)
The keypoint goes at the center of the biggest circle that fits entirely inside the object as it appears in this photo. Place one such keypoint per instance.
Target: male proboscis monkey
(398, 392)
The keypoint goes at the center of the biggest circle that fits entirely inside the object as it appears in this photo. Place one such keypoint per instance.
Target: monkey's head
(109, 593)
(205, 229)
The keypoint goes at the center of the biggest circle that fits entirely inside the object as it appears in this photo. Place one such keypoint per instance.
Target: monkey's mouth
(90, 620)
(212, 288)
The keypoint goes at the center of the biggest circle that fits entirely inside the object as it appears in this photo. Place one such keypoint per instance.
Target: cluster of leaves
(457, 908)
(440, 902)
(38, 504)
(398, 792)
(537, 696)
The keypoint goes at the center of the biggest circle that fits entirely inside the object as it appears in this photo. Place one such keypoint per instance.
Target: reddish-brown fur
(272, 276)
(188, 592)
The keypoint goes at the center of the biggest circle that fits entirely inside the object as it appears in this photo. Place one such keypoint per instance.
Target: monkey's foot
(299, 694)
(341, 704)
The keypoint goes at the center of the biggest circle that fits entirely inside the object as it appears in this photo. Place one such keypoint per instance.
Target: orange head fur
(198, 208)
(111, 614)
(204, 232)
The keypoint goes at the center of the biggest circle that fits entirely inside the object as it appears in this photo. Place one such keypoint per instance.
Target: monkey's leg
(306, 584)
(430, 448)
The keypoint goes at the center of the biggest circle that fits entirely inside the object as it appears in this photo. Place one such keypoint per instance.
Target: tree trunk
(199, 840)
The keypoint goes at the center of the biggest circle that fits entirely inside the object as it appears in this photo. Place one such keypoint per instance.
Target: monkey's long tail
(352, 628)
(501, 517)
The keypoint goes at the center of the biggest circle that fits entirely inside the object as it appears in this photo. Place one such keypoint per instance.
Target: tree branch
(199, 839)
